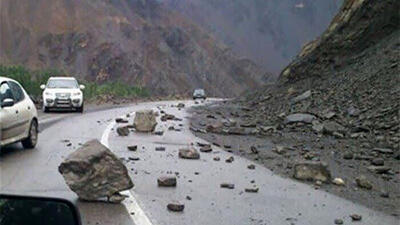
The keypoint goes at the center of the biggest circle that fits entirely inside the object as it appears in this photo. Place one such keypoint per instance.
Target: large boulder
(145, 121)
(94, 172)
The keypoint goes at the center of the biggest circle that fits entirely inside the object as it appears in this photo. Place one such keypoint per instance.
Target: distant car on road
(62, 93)
(199, 94)
(18, 115)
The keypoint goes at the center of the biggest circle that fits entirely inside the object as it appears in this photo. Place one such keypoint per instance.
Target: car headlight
(77, 94)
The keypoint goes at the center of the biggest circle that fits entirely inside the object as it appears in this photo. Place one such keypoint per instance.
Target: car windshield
(62, 84)
(199, 92)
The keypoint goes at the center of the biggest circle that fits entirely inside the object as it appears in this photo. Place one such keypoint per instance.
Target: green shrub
(31, 81)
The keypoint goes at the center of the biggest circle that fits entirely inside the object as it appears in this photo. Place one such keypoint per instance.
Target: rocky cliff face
(360, 25)
(269, 32)
(135, 41)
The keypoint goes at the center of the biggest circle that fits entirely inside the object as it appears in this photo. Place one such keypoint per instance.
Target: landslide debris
(337, 102)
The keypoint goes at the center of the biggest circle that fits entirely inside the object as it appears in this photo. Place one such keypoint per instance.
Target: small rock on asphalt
(338, 221)
(132, 148)
(176, 207)
(123, 131)
(227, 185)
(356, 217)
(189, 153)
(251, 167)
(166, 181)
(230, 159)
(251, 190)
(160, 149)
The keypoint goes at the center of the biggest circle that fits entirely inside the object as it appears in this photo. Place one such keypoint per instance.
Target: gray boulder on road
(94, 172)
(145, 121)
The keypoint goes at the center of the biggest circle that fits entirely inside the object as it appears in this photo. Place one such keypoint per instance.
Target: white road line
(139, 217)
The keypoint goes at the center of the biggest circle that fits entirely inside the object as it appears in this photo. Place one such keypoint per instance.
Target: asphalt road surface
(279, 200)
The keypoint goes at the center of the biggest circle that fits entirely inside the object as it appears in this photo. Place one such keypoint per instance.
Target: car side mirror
(42, 86)
(36, 210)
(8, 102)
(82, 87)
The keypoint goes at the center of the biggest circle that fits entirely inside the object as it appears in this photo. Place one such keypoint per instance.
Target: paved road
(279, 201)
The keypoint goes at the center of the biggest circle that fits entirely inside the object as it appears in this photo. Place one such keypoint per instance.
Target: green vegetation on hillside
(31, 81)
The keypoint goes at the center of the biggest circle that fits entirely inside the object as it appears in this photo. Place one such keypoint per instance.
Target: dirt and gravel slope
(338, 102)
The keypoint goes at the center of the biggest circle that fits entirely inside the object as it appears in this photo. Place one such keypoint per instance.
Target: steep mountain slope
(135, 41)
(270, 32)
(338, 102)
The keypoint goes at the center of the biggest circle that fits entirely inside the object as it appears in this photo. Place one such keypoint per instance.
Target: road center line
(139, 217)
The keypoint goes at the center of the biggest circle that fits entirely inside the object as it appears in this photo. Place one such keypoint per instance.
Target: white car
(18, 115)
(62, 93)
(199, 93)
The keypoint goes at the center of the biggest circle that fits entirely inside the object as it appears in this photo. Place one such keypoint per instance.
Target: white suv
(18, 115)
(62, 92)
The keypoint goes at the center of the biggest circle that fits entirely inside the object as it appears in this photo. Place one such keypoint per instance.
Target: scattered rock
(166, 181)
(227, 185)
(160, 149)
(299, 117)
(331, 128)
(206, 149)
(378, 169)
(217, 158)
(383, 150)
(302, 97)
(180, 105)
(384, 194)
(145, 121)
(356, 217)
(120, 120)
(203, 144)
(189, 153)
(312, 171)
(280, 149)
(188, 198)
(317, 126)
(348, 155)
(230, 159)
(378, 162)
(176, 207)
(338, 221)
(159, 132)
(132, 148)
(134, 158)
(363, 182)
(338, 181)
(94, 172)
(251, 167)
(251, 190)
(123, 131)
(254, 149)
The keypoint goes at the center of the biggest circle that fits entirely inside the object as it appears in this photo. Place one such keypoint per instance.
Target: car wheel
(80, 109)
(31, 140)
(45, 109)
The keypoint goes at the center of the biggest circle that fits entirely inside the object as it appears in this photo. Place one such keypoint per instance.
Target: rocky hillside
(135, 41)
(269, 32)
(338, 102)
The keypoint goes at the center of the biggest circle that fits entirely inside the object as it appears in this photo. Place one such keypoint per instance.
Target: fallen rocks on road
(160, 149)
(121, 120)
(206, 149)
(356, 217)
(132, 148)
(363, 182)
(251, 190)
(338, 181)
(227, 185)
(189, 153)
(94, 172)
(123, 131)
(251, 167)
(230, 159)
(145, 121)
(176, 207)
(166, 181)
(312, 171)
